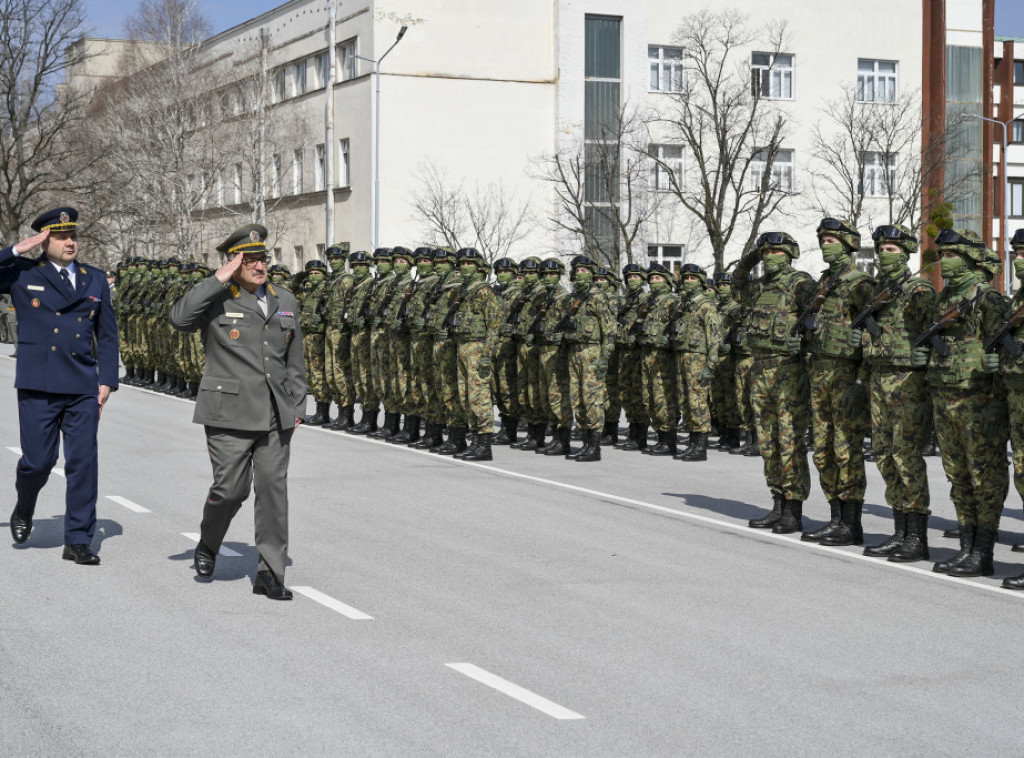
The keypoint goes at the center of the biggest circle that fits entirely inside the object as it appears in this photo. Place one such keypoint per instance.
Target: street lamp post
(1004, 213)
(376, 140)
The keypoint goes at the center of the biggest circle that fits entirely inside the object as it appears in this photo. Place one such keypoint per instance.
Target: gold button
(57, 313)
(55, 331)
(79, 319)
(77, 336)
(54, 349)
(73, 354)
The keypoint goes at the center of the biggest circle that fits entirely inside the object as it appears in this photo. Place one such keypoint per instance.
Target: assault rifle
(388, 297)
(950, 317)
(808, 321)
(637, 330)
(515, 313)
(866, 318)
(567, 324)
(403, 307)
(453, 309)
(541, 313)
(1002, 335)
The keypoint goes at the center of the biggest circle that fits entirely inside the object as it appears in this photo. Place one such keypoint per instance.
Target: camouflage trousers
(313, 352)
(1015, 399)
(554, 382)
(744, 370)
(838, 440)
(338, 366)
(446, 368)
(972, 442)
(724, 405)
(124, 342)
(422, 386)
(474, 390)
(505, 380)
(899, 409)
(401, 373)
(694, 398)
(613, 405)
(587, 392)
(362, 376)
(658, 383)
(196, 357)
(779, 398)
(631, 394)
(380, 368)
(531, 398)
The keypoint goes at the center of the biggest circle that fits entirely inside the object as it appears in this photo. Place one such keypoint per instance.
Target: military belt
(775, 359)
(831, 361)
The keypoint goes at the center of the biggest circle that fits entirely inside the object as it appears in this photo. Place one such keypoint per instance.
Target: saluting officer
(67, 367)
(251, 398)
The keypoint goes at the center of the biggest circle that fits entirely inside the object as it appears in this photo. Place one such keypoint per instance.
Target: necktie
(67, 281)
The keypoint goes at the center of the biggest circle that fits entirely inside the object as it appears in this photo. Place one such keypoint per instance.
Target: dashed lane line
(335, 605)
(128, 504)
(224, 551)
(523, 695)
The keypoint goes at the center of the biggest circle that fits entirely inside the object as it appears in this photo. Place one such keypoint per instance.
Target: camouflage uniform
(505, 383)
(658, 369)
(422, 388)
(338, 343)
(446, 363)
(590, 340)
(532, 394)
(725, 404)
(476, 328)
(400, 341)
(381, 365)
(554, 363)
(695, 336)
(631, 392)
(311, 321)
(360, 321)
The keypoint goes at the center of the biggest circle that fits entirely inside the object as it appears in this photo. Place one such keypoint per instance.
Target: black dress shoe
(204, 561)
(21, 527)
(267, 584)
(81, 554)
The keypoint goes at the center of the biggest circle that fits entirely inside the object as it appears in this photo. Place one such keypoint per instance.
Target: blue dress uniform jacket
(254, 363)
(67, 343)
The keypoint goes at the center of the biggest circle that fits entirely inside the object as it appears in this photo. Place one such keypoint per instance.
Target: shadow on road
(48, 533)
(229, 568)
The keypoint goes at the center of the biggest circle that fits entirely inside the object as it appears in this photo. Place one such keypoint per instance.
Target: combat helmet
(963, 242)
(895, 234)
(841, 230)
(778, 241)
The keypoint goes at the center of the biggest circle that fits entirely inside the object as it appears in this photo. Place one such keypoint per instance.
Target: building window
(670, 256)
(343, 164)
(238, 183)
(277, 86)
(666, 162)
(771, 75)
(1018, 72)
(300, 78)
(298, 256)
(1017, 131)
(297, 173)
(601, 105)
(239, 104)
(1016, 195)
(666, 64)
(879, 173)
(319, 178)
(782, 171)
(275, 175)
(321, 248)
(876, 81)
(347, 60)
(323, 68)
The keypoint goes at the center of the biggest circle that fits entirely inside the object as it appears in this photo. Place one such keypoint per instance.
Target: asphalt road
(531, 606)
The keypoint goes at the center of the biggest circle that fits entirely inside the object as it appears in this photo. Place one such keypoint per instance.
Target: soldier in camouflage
(400, 355)
(505, 382)
(446, 356)
(553, 358)
(779, 390)
(631, 394)
(609, 283)
(311, 300)
(1011, 364)
(970, 418)
(532, 399)
(724, 399)
(384, 288)
(279, 275)
(359, 319)
(695, 336)
(658, 366)
(422, 391)
(840, 413)
(338, 338)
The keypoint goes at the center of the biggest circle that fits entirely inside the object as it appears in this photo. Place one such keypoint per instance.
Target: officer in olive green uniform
(970, 417)
(779, 391)
(901, 306)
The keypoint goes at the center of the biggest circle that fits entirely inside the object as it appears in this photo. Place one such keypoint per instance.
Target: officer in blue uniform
(67, 367)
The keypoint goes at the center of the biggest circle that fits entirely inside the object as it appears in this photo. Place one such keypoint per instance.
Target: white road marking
(225, 551)
(335, 605)
(506, 687)
(54, 470)
(740, 528)
(128, 504)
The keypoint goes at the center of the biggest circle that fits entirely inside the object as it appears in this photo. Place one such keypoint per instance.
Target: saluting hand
(225, 273)
(30, 242)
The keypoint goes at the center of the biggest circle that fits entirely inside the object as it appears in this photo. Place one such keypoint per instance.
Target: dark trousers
(241, 460)
(43, 416)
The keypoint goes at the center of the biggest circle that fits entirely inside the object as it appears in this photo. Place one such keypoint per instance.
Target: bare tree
(38, 116)
(872, 151)
(730, 131)
(489, 217)
(602, 187)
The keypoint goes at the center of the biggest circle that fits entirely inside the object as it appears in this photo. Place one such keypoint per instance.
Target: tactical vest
(1012, 368)
(391, 317)
(425, 290)
(656, 322)
(310, 318)
(963, 366)
(470, 321)
(775, 313)
(690, 333)
(559, 302)
(357, 305)
(587, 326)
(628, 311)
(832, 337)
(338, 298)
(895, 345)
(449, 287)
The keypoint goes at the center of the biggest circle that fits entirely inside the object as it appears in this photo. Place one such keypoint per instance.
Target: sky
(106, 17)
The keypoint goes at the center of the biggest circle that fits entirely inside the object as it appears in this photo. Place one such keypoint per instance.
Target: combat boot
(979, 561)
(193, 390)
(836, 507)
(431, 433)
(915, 543)
(754, 451)
(542, 449)
(592, 449)
(772, 517)
(610, 436)
(441, 429)
(147, 377)
(633, 438)
(899, 534)
(690, 440)
(470, 444)
(792, 518)
(744, 443)
(966, 546)
(509, 431)
(367, 423)
(481, 450)
(850, 531)
(641, 437)
(534, 438)
(730, 440)
(390, 426)
(456, 441)
(577, 433)
(344, 420)
(1014, 582)
(405, 436)
(627, 438)
(317, 418)
(666, 444)
(698, 451)
(560, 444)
(951, 533)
